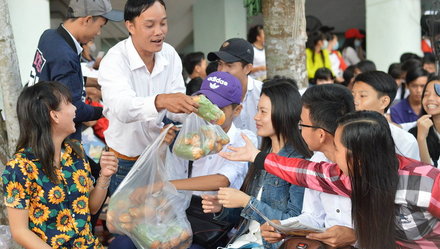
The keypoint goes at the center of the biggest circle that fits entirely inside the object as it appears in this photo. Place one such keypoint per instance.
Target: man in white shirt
(375, 91)
(139, 77)
(236, 57)
(322, 106)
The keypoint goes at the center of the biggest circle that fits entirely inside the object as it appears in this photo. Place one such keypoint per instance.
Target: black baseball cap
(233, 50)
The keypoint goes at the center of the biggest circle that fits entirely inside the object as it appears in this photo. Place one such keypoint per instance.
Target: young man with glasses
(322, 105)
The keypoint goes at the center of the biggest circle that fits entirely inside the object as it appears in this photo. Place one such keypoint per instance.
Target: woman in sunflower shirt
(48, 184)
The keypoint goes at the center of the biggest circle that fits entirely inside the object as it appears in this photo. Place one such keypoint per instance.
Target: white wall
(393, 28)
(29, 19)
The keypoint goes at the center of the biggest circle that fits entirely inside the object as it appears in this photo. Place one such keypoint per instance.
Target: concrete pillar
(216, 21)
(393, 28)
(29, 19)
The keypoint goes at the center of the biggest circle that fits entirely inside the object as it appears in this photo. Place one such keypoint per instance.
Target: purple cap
(221, 88)
(437, 88)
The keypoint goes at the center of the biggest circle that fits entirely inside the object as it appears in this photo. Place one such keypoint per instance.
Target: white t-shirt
(215, 164)
(129, 91)
(322, 210)
(406, 143)
(259, 60)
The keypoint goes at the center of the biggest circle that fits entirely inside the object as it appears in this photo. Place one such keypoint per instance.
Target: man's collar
(78, 47)
(137, 62)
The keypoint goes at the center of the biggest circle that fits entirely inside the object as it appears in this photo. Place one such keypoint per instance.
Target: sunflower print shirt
(58, 213)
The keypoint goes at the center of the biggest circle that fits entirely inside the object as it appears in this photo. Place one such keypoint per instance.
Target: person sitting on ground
(236, 56)
(279, 107)
(396, 208)
(364, 66)
(324, 76)
(427, 130)
(409, 109)
(375, 91)
(48, 185)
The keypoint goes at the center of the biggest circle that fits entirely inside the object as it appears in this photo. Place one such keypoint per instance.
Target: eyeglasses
(312, 126)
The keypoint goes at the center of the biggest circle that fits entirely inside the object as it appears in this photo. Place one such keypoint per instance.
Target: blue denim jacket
(279, 199)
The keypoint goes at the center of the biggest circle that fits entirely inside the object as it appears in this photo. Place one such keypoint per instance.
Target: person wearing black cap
(236, 56)
(59, 51)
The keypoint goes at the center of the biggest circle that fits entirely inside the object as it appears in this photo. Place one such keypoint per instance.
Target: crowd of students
(336, 155)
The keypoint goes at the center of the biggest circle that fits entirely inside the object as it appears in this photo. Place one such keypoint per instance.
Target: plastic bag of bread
(208, 111)
(198, 138)
(148, 208)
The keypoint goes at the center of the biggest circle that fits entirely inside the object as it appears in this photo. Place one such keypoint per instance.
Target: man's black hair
(134, 8)
(191, 60)
(382, 82)
(327, 103)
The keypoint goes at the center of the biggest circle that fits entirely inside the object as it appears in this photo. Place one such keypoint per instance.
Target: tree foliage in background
(254, 7)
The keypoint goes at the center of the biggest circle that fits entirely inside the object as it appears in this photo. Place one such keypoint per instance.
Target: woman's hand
(246, 153)
(109, 164)
(269, 234)
(423, 125)
(232, 198)
(210, 204)
(335, 236)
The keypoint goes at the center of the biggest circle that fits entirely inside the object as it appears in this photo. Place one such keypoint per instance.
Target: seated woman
(427, 131)
(48, 185)
(279, 109)
(395, 200)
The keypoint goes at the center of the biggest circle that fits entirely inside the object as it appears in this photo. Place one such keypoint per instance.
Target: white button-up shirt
(322, 210)
(129, 91)
(406, 143)
(250, 102)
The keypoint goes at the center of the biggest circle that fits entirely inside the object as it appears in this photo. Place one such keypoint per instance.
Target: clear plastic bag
(198, 138)
(5, 237)
(208, 111)
(148, 208)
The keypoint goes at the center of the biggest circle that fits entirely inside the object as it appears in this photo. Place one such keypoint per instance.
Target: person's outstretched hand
(210, 204)
(246, 153)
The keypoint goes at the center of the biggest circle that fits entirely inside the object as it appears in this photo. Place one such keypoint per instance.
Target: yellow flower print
(35, 189)
(65, 221)
(81, 180)
(80, 243)
(80, 205)
(15, 193)
(38, 213)
(59, 240)
(40, 233)
(68, 162)
(56, 195)
(86, 230)
(29, 169)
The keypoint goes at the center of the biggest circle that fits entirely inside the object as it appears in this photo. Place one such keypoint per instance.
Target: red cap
(353, 33)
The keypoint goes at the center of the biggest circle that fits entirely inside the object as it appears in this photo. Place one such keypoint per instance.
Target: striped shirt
(417, 196)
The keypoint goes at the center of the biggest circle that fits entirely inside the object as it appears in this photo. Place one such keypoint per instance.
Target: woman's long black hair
(33, 110)
(373, 169)
(286, 112)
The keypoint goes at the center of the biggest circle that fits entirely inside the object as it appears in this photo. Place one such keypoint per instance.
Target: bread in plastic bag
(147, 207)
(198, 138)
(208, 111)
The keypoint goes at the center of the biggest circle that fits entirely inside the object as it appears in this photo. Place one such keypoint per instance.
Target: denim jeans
(124, 167)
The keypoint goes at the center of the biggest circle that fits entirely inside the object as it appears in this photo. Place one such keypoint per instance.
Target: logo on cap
(213, 86)
(225, 44)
